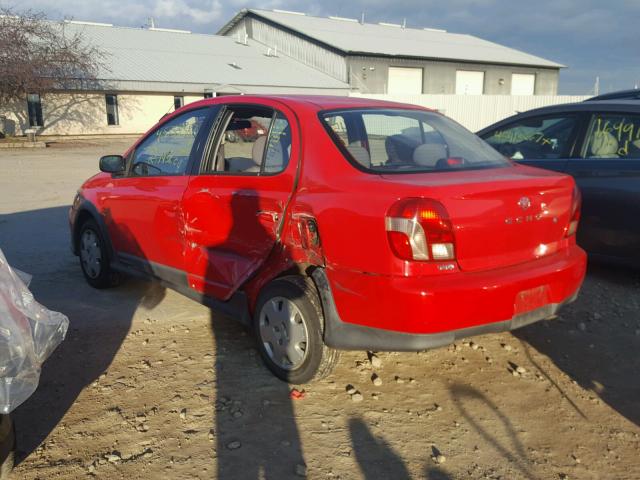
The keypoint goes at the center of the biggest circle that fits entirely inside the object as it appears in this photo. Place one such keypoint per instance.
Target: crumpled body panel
(28, 335)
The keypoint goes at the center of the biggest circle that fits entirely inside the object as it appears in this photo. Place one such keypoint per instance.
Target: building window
(112, 110)
(178, 102)
(208, 94)
(34, 106)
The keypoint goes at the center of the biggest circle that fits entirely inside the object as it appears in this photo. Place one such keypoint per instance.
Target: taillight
(420, 229)
(576, 205)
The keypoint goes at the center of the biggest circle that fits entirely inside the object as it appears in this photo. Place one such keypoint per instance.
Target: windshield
(404, 141)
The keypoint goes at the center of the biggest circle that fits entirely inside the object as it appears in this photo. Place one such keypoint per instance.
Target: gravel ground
(149, 384)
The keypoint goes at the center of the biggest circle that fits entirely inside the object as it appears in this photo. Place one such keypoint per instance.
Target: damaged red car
(347, 224)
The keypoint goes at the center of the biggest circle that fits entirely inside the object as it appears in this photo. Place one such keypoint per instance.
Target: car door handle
(266, 213)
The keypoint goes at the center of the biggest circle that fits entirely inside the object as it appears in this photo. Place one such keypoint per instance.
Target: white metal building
(395, 59)
(150, 72)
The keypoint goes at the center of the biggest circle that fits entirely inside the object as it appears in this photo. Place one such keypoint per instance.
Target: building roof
(156, 60)
(352, 37)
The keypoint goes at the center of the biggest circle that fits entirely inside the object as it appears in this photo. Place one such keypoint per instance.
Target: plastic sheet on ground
(28, 334)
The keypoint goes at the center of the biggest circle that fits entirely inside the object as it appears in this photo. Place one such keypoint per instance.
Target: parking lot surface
(149, 384)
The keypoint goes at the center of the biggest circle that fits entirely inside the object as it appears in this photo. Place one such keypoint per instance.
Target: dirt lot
(149, 385)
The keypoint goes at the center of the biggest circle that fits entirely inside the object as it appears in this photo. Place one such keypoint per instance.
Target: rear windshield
(405, 141)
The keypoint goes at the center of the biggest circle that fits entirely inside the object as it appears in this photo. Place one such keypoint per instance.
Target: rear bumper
(410, 314)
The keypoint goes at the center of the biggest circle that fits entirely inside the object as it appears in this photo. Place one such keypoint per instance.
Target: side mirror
(112, 164)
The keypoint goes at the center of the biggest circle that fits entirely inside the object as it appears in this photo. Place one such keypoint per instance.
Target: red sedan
(347, 224)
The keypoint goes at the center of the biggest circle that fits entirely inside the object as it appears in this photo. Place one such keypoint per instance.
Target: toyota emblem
(524, 203)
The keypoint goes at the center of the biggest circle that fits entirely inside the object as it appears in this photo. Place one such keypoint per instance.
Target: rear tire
(94, 258)
(289, 327)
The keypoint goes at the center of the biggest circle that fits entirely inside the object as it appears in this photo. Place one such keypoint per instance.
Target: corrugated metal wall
(371, 75)
(477, 111)
(293, 46)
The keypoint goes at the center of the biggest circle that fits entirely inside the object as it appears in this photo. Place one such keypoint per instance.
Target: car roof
(631, 94)
(627, 106)
(315, 102)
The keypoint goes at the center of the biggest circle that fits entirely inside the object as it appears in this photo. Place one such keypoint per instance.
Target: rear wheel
(94, 259)
(289, 329)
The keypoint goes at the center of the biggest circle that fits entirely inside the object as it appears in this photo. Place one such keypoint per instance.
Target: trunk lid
(500, 216)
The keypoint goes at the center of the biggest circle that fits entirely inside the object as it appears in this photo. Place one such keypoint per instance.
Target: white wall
(85, 113)
(477, 111)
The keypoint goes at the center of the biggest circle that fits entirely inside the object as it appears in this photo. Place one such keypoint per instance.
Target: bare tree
(38, 55)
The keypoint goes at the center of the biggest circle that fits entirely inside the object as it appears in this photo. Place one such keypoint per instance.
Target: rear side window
(404, 141)
(542, 138)
(254, 141)
(612, 136)
(166, 151)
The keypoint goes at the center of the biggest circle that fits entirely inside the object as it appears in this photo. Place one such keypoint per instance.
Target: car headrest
(428, 154)
(604, 145)
(360, 154)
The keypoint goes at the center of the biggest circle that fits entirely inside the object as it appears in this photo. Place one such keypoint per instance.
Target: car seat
(428, 154)
(603, 145)
(249, 165)
(400, 148)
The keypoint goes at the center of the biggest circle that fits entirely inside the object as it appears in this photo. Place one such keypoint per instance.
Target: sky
(594, 38)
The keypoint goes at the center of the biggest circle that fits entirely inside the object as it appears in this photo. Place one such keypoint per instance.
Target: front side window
(34, 107)
(166, 151)
(612, 136)
(540, 138)
(407, 141)
(112, 109)
(254, 140)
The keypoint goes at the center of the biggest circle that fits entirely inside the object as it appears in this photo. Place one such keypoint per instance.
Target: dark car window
(406, 141)
(254, 140)
(612, 136)
(166, 151)
(534, 138)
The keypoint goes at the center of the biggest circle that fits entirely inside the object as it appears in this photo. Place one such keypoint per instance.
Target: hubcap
(283, 333)
(90, 253)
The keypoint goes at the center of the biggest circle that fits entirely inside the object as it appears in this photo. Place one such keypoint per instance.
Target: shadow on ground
(594, 340)
(37, 242)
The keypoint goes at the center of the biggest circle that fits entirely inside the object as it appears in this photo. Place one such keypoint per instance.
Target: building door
(523, 84)
(405, 81)
(469, 83)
